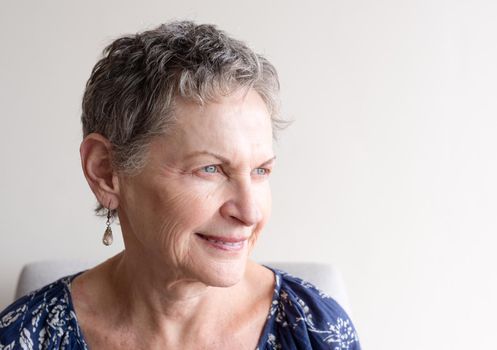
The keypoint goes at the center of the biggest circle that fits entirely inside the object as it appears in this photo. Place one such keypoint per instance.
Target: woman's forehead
(234, 127)
(235, 116)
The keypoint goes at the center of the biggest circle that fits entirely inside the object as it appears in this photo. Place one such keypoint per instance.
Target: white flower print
(25, 340)
(12, 316)
(290, 309)
(8, 347)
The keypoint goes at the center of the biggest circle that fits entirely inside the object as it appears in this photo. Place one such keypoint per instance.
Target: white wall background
(389, 171)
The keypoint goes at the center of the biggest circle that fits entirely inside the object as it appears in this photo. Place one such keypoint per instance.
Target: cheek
(180, 213)
(177, 216)
(156, 213)
(191, 204)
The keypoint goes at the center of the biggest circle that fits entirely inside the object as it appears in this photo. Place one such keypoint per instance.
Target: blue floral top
(301, 317)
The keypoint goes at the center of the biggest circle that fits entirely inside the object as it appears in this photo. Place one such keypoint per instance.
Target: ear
(96, 160)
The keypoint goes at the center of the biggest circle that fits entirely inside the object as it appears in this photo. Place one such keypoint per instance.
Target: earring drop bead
(108, 238)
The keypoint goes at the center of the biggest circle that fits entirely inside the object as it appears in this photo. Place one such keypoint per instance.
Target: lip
(231, 239)
(230, 243)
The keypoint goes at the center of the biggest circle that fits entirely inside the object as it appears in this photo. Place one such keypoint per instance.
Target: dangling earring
(108, 238)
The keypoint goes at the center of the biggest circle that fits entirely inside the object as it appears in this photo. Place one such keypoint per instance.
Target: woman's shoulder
(303, 316)
(44, 319)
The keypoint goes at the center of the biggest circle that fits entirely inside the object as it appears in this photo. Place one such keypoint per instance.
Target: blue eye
(261, 171)
(211, 169)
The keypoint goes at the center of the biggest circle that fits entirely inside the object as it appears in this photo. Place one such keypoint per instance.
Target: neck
(160, 291)
(167, 308)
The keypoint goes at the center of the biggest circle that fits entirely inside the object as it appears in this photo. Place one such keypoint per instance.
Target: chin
(224, 273)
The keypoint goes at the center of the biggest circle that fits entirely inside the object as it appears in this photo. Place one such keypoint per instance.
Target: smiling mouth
(224, 243)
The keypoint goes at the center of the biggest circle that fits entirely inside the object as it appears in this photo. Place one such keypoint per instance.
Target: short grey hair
(130, 95)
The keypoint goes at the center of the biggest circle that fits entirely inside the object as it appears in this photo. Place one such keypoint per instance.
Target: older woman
(178, 124)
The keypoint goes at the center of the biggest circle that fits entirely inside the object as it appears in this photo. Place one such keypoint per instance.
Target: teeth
(231, 244)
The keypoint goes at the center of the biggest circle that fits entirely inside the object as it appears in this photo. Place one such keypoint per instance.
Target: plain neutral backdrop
(389, 170)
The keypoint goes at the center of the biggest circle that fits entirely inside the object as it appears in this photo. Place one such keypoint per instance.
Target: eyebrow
(220, 157)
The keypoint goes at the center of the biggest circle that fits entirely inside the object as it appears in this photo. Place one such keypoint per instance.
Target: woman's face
(203, 198)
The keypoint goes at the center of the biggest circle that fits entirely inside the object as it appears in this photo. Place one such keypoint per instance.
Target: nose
(242, 205)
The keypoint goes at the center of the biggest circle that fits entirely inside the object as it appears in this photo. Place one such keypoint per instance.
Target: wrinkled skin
(171, 288)
(176, 196)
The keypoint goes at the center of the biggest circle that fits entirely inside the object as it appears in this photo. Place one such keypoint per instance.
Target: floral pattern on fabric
(43, 319)
(304, 317)
(301, 317)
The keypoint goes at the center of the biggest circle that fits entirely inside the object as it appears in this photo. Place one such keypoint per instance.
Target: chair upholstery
(39, 273)
(325, 276)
